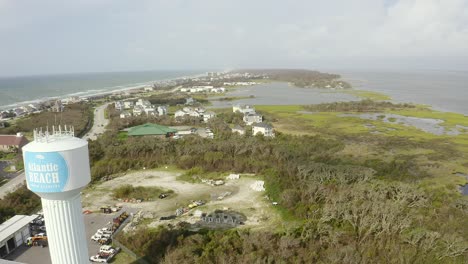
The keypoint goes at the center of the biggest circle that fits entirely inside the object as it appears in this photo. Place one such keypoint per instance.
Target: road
(12, 185)
(100, 122)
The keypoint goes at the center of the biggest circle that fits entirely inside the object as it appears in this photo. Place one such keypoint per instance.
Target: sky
(48, 36)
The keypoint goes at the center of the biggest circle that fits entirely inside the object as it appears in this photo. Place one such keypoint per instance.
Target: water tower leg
(65, 230)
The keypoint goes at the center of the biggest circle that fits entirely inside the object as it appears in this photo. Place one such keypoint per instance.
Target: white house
(245, 109)
(180, 113)
(263, 128)
(184, 90)
(128, 104)
(218, 90)
(125, 114)
(252, 118)
(149, 89)
(162, 110)
(208, 115)
(138, 109)
(143, 102)
(119, 105)
(149, 110)
(238, 129)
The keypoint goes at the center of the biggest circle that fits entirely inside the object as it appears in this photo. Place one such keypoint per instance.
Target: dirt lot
(243, 199)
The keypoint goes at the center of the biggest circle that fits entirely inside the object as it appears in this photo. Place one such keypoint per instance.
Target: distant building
(143, 102)
(149, 89)
(19, 112)
(238, 129)
(138, 110)
(12, 142)
(149, 110)
(119, 105)
(208, 115)
(189, 101)
(162, 110)
(180, 113)
(150, 129)
(244, 109)
(57, 106)
(252, 118)
(128, 104)
(125, 114)
(263, 128)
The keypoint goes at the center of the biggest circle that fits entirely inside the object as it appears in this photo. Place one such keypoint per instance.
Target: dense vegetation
(343, 209)
(303, 78)
(128, 191)
(77, 115)
(357, 106)
(22, 201)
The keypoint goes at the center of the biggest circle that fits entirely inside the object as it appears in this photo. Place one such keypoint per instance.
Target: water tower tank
(57, 169)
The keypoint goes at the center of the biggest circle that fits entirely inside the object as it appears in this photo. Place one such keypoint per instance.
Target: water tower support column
(67, 242)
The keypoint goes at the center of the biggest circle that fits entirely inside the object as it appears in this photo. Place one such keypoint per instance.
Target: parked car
(97, 258)
(97, 236)
(106, 249)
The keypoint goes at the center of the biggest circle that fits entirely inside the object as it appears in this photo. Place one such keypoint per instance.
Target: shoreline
(96, 92)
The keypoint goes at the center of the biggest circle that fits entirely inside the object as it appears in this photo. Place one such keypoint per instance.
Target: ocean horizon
(443, 90)
(21, 90)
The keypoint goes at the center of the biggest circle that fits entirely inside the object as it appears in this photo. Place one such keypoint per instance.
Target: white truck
(96, 237)
(106, 249)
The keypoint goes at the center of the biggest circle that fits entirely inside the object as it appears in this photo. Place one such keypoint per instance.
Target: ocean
(443, 90)
(20, 90)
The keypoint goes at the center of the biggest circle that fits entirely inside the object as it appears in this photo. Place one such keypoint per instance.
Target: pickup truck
(96, 237)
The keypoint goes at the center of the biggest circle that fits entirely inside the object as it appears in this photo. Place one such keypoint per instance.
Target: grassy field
(429, 150)
(376, 96)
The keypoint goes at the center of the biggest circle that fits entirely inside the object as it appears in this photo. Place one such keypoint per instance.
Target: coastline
(97, 92)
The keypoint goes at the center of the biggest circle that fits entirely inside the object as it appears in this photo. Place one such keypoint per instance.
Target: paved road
(100, 123)
(12, 185)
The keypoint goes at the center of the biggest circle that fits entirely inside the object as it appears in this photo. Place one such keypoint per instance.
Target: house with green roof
(150, 129)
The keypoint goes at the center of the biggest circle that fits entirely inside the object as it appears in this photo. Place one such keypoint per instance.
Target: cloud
(106, 35)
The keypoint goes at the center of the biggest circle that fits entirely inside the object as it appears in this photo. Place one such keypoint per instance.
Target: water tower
(57, 169)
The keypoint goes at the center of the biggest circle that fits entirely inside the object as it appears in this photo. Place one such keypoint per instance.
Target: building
(119, 105)
(149, 88)
(252, 118)
(149, 110)
(189, 101)
(12, 142)
(238, 129)
(144, 103)
(244, 109)
(162, 110)
(128, 104)
(208, 115)
(150, 129)
(138, 110)
(57, 106)
(125, 114)
(14, 232)
(263, 128)
(180, 114)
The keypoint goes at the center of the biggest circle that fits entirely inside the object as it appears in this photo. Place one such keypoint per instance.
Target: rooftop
(13, 140)
(264, 125)
(12, 225)
(150, 129)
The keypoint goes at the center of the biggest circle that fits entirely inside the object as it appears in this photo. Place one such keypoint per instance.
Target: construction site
(230, 201)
